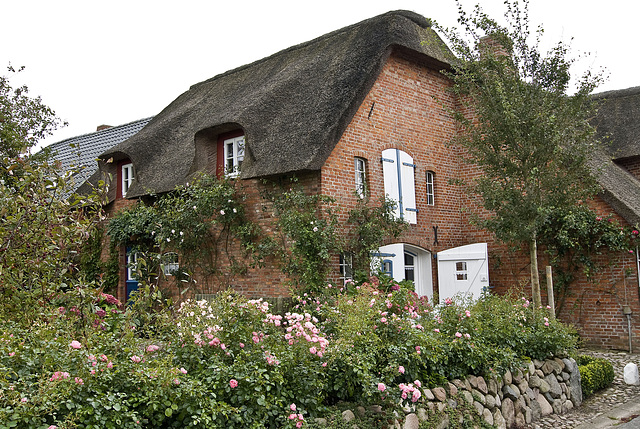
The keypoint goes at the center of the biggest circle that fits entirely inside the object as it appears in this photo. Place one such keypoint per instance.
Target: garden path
(606, 408)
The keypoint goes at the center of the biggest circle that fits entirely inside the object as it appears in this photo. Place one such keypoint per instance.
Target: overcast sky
(113, 62)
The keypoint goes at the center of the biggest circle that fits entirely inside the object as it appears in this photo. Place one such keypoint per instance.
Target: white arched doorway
(406, 262)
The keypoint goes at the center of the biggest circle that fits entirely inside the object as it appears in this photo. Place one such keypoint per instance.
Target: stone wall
(540, 388)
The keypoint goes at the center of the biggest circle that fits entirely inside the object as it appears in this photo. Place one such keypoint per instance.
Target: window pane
(360, 178)
(430, 190)
(240, 151)
(234, 150)
(408, 259)
(386, 268)
(409, 273)
(461, 270)
(346, 266)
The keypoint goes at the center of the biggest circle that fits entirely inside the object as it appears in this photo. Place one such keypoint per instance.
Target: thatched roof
(618, 125)
(620, 189)
(293, 106)
(618, 121)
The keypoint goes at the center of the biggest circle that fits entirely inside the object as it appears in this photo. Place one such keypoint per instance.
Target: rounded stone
(347, 415)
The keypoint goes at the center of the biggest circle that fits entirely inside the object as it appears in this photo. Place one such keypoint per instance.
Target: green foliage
(531, 139)
(23, 120)
(306, 228)
(196, 221)
(231, 362)
(575, 238)
(372, 225)
(375, 330)
(42, 234)
(595, 374)
(42, 227)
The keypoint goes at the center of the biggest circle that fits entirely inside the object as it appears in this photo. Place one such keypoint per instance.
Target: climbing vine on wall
(575, 239)
(372, 224)
(306, 233)
(205, 220)
(197, 221)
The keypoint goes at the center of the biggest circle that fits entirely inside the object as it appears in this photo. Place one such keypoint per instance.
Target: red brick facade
(404, 110)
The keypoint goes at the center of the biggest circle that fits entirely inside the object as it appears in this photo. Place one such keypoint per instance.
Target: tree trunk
(535, 278)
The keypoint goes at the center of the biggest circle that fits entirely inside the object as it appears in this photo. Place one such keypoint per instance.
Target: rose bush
(89, 362)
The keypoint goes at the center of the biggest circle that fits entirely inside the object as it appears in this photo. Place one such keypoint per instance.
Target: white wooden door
(405, 262)
(463, 270)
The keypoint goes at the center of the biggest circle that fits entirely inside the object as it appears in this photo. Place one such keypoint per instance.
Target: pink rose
(153, 348)
(401, 369)
(458, 334)
(416, 395)
(233, 383)
(381, 387)
(75, 344)
(292, 407)
(136, 359)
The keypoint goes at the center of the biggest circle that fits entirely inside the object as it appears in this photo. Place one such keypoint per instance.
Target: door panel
(463, 270)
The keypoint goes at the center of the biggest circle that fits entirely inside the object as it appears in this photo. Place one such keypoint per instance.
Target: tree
(23, 120)
(530, 138)
(42, 232)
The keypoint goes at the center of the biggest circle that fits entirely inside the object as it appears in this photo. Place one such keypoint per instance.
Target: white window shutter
(390, 173)
(408, 192)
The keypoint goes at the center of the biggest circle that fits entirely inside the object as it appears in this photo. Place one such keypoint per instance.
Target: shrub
(595, 374)
(230, 362)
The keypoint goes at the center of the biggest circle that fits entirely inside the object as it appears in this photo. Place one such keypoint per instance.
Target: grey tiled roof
(82, 151)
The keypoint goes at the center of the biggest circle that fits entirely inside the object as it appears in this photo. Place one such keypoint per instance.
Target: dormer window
(127, 177)
(233, 155)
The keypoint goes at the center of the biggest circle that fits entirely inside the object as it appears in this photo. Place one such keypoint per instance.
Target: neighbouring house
(362, 108)
(79, 154)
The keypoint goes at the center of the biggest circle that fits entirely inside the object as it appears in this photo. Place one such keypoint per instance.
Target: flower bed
(232, 363)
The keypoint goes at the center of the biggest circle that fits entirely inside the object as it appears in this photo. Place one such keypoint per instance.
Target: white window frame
(430, 176)
(233, 158)
(132, 265)
(346, 267)
(170, 264)
(127, 178)
(410, 267)
(360, 165)
(399, 183)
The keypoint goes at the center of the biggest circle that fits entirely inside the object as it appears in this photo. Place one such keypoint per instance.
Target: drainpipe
(626, 310)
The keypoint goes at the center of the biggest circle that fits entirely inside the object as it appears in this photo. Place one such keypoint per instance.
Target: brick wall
(406, 108)
(632, 165)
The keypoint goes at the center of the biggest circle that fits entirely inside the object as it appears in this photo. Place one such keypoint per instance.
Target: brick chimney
(103, 127)
(496, 45)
